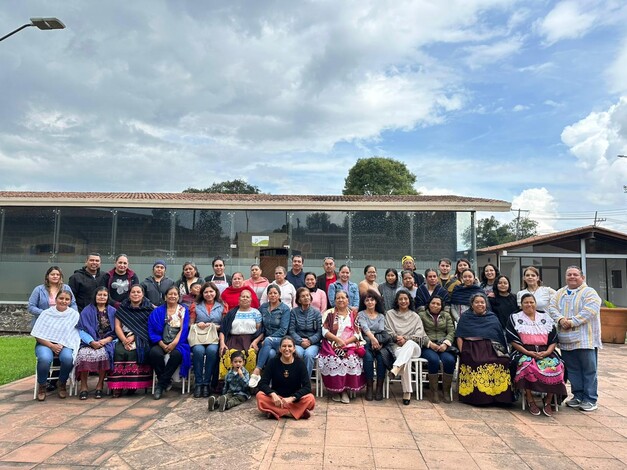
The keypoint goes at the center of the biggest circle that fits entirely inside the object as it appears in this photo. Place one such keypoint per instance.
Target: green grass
(17, 358)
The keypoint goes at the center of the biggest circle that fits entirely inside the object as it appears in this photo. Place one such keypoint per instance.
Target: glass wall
(32, 239)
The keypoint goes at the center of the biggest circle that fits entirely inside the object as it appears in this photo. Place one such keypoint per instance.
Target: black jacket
(84, 285)
(154, 291)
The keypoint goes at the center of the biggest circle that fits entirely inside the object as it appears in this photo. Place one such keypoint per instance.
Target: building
(40, 229)
(601, 254)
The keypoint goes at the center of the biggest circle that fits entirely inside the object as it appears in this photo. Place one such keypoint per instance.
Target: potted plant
(613, 323)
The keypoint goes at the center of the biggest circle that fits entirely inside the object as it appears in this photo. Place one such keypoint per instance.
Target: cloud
(520, 107)
(485, 54)
(539, 205)
(616, 71)
(568, 20)
(595, 141)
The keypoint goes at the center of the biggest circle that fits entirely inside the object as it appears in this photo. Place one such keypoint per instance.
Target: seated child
(235, 391)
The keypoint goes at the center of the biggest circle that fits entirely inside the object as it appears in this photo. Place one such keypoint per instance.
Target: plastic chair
(54, 367)
(415, 365)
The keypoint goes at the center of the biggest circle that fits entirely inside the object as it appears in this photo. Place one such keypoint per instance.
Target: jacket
(83, 285)
(155, 291)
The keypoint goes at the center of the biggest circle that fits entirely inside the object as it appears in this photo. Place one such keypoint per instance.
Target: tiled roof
(538, 239)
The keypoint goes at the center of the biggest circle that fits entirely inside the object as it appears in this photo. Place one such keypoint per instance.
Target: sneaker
(587, 406)
(574, 403)
(222, 403)
(533, 408)
(547, 410)
(336, 397)
(211, 404)
(254, 380)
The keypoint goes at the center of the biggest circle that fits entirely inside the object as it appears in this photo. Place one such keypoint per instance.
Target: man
(221, 280)
(85, 280)
(329, 277)
(155, 286)
(409, 265)
(408, 283)
(296, 276)
(445, 278)
(576, 310)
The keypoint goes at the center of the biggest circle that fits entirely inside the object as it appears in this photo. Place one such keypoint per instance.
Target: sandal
(83, 395)
(98, 394)
(533, 408)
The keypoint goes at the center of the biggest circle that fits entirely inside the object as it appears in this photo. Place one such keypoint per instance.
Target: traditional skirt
(127, 373)
(484, 377)
(544, 375)
(340, 373)
(238, 343)
(298, 409)
(89, 359)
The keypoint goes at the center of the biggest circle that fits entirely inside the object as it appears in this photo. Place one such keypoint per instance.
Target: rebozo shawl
(461, 294)
(485, 326)
(88, 323)
(136, 320)
(405, 324)
(58, 327)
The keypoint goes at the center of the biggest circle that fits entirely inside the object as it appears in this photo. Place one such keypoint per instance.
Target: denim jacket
(353, 293)
(275, 322)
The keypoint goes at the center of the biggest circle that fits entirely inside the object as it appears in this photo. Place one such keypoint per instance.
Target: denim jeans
(44, 359)
(267, 351)
(581, 368)
(369, 359)
(448, 361)
(205, 359)
(308, 355)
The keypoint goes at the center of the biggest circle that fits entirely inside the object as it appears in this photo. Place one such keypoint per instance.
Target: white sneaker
(254, 380)
(587, 406)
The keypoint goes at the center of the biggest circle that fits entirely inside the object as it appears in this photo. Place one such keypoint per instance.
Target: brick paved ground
(138, 432)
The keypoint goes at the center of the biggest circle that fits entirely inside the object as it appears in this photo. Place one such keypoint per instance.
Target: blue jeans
(581, 368)
(308, 355)
(205, 359)
(44, 359)
(369, 359)
(267, 351)
(448, 361)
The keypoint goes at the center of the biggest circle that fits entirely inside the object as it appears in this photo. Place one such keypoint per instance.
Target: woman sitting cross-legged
(95, 327)
(536, 365)
(285, 387)
(56, 335)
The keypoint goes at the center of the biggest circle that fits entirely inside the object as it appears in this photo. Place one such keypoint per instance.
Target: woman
(306, 328)
(230, 295)
(44, 295)
(168, 326)
(408, 283)
(372, 323)
(189, 276)
(504, 303)
(430, 288)
(131, 370)
(318, 296)
(339, 363)
(256, 281)
(288, 292)
(370, 280)
(275, 318)
(343, 283)
(206, 313)
(440, 331)
(489, 273)
(240, 330)
(462, 265)
(538, 368)
(96, 329)
(388, 288)
(460, 298)
(56, 335)
(533, 285)
(285, 388)
(483, 360)
(219, 277)
(119, 281)
(408, 335)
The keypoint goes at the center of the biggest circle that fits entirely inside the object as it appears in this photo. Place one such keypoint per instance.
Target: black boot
(205, 391)
(369, 387)
(197, 391)
(378, 394)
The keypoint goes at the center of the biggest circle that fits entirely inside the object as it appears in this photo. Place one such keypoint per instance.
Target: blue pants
(308, 355)
(434, 358)
(267, 351)
(581, 368)
(205, 359)
(369, 359)
(44, 360)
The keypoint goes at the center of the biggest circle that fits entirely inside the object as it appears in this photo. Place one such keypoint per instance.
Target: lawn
(17, 357)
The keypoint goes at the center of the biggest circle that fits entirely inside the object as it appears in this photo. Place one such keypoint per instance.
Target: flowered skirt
(544, 375)
(89, 359)
(340, 373)
(127, 373)
(484, 377)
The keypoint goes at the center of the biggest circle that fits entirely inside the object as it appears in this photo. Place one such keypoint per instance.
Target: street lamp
(41, 23)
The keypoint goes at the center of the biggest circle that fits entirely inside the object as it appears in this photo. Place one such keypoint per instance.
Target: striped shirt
(582, 307)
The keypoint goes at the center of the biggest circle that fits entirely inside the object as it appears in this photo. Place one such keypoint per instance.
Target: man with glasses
(329, 277)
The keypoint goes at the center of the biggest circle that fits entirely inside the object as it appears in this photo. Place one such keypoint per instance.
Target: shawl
(58, 327)
(461, 295)
(88, 323)
(136, 320)
(230, 296)
(423, 297)
(156, 323)
(503, 307)
(485, 326)
(407, 324)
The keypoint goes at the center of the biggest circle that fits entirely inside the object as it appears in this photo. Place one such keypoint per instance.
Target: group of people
(244, 335)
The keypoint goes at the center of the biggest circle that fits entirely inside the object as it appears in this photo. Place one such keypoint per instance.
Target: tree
(491, 232)
(228, 187)
(379, 176)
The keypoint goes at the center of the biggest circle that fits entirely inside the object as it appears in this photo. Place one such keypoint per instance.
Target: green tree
(228, 187)
(379, 176)
(491, 232)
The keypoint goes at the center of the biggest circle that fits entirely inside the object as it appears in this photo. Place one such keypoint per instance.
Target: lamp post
(624, 186)
(41, 23)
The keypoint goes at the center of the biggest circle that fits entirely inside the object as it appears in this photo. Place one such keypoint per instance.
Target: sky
(522, 101)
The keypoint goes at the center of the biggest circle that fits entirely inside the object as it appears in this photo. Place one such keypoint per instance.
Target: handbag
(199, 336)
(499, 349)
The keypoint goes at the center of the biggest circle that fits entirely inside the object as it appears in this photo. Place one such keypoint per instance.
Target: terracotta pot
(613, 325)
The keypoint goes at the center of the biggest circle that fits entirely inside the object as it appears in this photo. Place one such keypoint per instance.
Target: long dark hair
(391, 270)
(408, 294)
(372, 294)
(484, 280)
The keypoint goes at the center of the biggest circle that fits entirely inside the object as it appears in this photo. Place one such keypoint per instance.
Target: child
(194, 290)
(235, 390)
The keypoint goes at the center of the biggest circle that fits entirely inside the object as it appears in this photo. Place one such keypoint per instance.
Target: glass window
(82, 231)
(143, 234)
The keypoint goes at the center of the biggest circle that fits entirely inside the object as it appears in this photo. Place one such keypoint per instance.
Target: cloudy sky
(524, 101)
